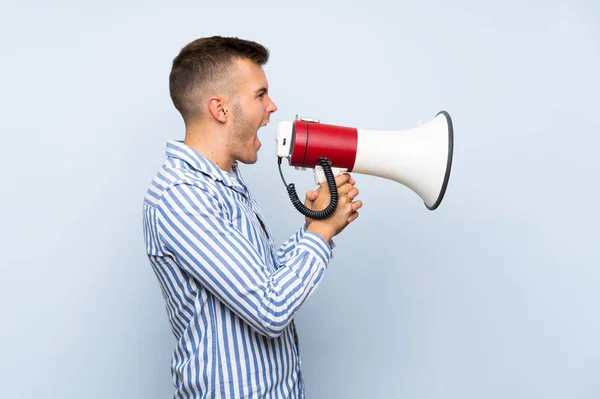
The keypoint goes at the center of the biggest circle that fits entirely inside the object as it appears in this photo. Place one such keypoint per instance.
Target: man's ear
(219, 109)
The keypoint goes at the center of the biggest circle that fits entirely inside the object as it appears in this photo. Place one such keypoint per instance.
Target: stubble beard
(243, 132)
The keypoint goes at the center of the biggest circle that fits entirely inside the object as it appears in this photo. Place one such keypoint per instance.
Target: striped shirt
(230, 294)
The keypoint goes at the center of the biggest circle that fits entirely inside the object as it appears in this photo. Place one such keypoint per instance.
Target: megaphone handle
(320, 177)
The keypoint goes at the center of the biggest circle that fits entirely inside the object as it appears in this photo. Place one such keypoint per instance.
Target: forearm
(293, 283)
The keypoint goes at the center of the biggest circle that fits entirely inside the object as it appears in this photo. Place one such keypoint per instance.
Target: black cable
(322, 214)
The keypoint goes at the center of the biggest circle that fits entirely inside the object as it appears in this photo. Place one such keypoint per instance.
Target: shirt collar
(196, 161)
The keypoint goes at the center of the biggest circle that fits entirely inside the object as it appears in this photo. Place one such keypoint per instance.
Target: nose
(272, 107)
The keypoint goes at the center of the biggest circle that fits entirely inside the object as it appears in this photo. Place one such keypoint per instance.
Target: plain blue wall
(494, 295)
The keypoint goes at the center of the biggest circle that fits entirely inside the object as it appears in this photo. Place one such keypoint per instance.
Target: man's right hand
(345, 213)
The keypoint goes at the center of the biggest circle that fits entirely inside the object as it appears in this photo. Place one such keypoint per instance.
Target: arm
(194, 227)
(287, 247)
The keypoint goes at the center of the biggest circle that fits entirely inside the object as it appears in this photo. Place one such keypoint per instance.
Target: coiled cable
(317, 215)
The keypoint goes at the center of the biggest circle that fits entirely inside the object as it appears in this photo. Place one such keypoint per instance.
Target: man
(230, 294)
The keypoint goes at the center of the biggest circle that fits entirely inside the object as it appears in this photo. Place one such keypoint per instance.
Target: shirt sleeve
(286, 249)
(194, 227)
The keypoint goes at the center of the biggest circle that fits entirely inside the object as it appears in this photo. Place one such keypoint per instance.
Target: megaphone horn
(419, 158)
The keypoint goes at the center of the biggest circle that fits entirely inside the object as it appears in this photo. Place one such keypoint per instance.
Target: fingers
(349, 190)
(342, 179)
(339, 181)
(357, 205)
(353, 217)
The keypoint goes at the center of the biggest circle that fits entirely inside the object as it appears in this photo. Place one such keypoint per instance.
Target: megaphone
(419, 158)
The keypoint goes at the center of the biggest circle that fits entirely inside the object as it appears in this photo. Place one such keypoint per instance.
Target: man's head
(219, 83)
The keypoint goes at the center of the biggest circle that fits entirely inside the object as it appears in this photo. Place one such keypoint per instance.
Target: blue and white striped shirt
(230, 294)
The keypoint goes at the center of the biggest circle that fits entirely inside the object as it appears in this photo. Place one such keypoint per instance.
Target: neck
(210, 142)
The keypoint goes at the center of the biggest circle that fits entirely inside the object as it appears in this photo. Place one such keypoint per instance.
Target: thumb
(312, 195)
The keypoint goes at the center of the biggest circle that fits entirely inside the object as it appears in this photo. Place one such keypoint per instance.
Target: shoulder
(170, 181)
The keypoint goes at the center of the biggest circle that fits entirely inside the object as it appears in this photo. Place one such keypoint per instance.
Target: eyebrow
(262, 90)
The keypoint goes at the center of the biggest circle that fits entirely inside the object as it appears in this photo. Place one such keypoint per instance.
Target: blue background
(494, 295)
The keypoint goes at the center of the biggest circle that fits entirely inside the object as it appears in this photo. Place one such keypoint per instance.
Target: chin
(249, 160)
(246, 162)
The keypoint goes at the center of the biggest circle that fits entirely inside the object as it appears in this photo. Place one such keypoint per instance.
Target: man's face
(251, 109)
